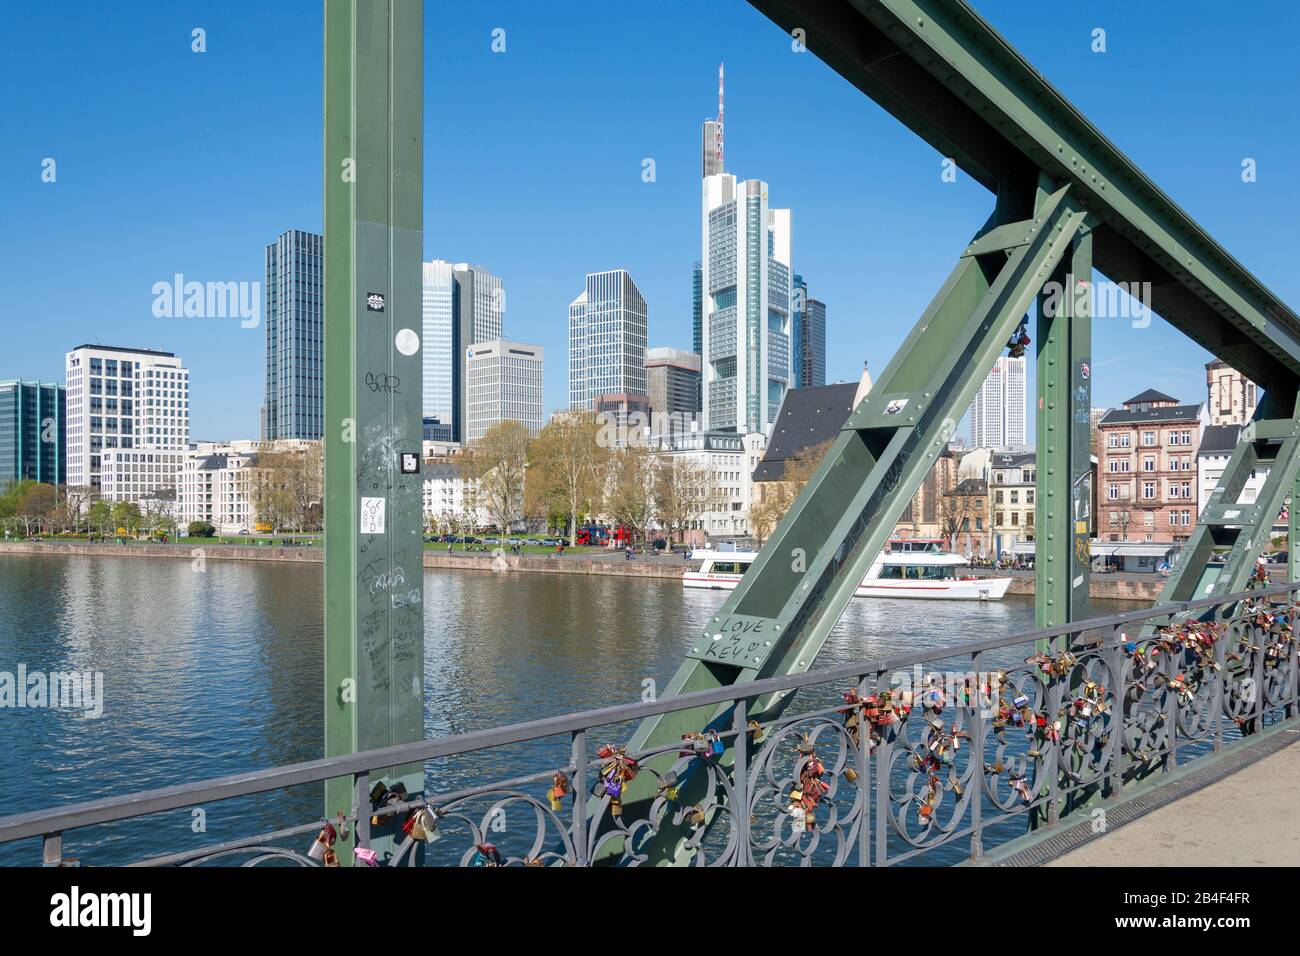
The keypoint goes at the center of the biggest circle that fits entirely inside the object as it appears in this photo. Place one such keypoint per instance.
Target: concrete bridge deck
(1245, 819)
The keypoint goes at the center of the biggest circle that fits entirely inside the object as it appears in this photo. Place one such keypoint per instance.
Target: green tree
(100, 517)
(126, 516)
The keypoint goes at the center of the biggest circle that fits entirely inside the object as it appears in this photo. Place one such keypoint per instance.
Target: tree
(1124, 517)
(274, 497)
(35, 506)
(564, 470)
(779, 495)
(630, 496)
(156, 510)
(201, 529)
(953, 514)
(681, 487)
(126, 516)
(495, 466)
(73, 503)
(100, 517)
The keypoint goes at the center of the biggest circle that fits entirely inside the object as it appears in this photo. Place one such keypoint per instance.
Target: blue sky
(172, 161)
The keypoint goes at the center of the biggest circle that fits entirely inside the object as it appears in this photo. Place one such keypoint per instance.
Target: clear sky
(171, 161)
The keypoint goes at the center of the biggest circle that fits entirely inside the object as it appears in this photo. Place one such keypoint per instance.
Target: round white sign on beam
(408, 343)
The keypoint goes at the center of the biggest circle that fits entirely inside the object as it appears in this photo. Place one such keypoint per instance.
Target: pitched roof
(1150, 395)
(808, 417)
(1013, 459)
(972, 486)
(1219, 439)
(1168, 413)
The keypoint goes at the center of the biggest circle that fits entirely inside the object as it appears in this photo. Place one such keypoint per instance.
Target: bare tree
(496, 465)
(630, 499)
(565, 469)
(680, 490)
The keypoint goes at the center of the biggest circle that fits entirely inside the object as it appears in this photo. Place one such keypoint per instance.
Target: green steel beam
(1063, 505)
(1228, 537)
(374, 633)
(1293, 532)
(949, 76)
(781, 613)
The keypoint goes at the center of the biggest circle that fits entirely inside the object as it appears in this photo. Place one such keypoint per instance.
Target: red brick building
(1147, 469)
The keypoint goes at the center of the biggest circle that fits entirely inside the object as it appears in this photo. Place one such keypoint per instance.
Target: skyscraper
(463, 306)
(673, 384)
(812, 343)
(477, 308)
(33, 430)
(746, 290)
(997, 415)
(798, 306)
(439, 350)
(295, 336)
(128, 414)
(607, 339)
(504, 383)
(808, 333)
(697, 307)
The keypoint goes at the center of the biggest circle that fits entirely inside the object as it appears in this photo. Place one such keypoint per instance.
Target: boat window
(891, 571)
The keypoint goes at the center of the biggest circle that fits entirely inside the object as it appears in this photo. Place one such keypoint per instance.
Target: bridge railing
(930, 756)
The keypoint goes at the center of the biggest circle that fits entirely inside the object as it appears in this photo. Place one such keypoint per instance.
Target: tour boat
(915, 568)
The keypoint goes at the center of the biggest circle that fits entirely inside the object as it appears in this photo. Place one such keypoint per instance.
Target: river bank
(1102, 588)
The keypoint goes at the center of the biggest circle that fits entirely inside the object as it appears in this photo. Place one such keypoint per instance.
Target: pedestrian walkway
(1245, 819)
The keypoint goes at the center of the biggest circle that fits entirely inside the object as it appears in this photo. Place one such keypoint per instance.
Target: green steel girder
(1062, 532)
(777, 619)
(1231, 533)
(374, 570)
(943, 71)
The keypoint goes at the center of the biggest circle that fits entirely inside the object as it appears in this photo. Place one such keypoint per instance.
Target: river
(219, 672)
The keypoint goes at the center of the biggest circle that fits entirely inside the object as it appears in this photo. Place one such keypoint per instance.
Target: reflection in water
(218, 672)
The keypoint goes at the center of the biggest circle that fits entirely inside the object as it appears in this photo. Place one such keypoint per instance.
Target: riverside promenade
(1101, 588)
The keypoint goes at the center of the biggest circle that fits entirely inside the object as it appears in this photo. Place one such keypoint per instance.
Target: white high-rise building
(463, 306)
(608, 327)
(439, 351)
(504, 382)
(997, 415)
(746, 290)
(128, 413)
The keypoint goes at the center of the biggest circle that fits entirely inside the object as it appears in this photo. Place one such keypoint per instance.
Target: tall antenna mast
(720, 166)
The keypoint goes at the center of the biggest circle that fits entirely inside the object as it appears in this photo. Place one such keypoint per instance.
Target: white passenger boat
(915, 568)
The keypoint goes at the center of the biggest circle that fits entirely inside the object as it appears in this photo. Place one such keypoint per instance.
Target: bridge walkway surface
(1245, 819)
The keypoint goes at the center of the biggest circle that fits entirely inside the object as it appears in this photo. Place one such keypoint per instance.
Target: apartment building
(1148, 468)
